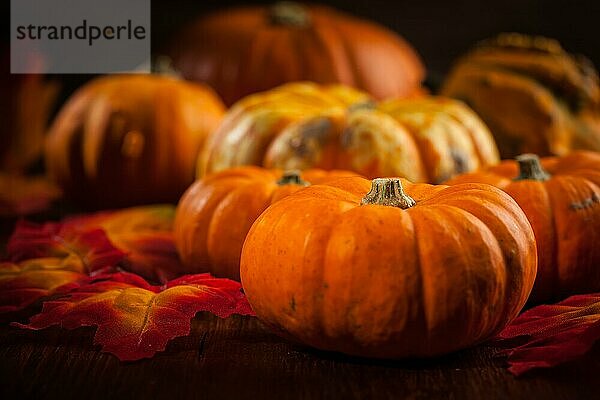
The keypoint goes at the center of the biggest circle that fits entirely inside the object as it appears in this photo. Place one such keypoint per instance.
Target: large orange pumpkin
(534, 96)
(215, 214)
(561, 198)
(245, 50)
(304, 125)
(389, 269)
(123, 140)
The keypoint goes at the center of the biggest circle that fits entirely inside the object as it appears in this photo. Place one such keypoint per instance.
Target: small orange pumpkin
(561, 198)
(215, 214)
(244, 50)
(131, 139)
(389, 269)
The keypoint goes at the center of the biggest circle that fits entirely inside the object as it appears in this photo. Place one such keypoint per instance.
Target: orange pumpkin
(245, 50)
(534, 96)
(215, 214)
(132, 139)
(304, 125)
(561, 198)
(388, 268)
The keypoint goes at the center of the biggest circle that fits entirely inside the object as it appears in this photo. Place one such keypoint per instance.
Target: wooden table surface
(234, 357)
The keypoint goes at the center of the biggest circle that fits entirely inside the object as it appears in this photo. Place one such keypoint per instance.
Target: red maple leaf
(134, 318)
(92, 246)
(45, 257)
(77, 261)
(549, 335)
(141, 237)
(144, 234)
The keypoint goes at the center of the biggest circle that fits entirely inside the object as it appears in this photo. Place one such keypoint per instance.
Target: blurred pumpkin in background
(561, 198)
(215, 213)
(534, 96)
(130, 139)
(305, 125)
(245, 50)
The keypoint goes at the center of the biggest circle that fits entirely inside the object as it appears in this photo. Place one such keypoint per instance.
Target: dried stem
(531, 168)
(292, 177)
(388, 192)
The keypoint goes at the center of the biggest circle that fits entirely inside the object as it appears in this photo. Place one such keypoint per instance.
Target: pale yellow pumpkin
(305, 125)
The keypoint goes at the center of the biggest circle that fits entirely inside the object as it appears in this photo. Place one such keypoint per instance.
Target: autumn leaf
(46, 257)
(144, 234)
(93, 247)
(549, 335)
(27, 103)
(135, 319)
(21, 195)
(23, 283)
(78, 261)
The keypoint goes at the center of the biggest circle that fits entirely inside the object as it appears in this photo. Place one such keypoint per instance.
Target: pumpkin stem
(531, 168)
(388, 192)
(289, 13)
(292, 177)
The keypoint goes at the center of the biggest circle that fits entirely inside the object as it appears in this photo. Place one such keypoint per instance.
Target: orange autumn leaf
(21, 195)
(135, 319)
(25, 109)
(144, 234)
(46, 257)
(43, 256)
(74, 266)
(549, 335)
(92, 246)
(23, 283)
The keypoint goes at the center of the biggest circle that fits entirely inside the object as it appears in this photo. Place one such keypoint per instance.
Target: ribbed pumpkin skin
(304, 125)
(242, 50)
(564, 212)
(125, 140)
(215, 214)
(385, 282)
(534, 96)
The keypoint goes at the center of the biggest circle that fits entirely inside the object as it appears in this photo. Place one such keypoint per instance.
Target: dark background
(440, 30)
